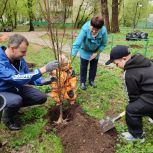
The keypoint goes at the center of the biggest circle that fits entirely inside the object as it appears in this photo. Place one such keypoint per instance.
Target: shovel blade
(106, 125)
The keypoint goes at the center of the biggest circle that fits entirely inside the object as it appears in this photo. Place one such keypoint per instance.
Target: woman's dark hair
(97, 22)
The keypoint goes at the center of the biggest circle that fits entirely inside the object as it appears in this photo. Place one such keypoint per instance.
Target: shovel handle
(118, 117)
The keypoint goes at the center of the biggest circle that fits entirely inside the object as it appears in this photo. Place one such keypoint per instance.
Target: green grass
(108, 99)
(25, 28)
(118, 39)
(96, 102)
(33, 121)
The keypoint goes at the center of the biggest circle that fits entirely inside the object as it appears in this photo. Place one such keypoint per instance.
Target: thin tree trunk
(15, 20)
(78, 14)
(115, 23)
(83, 14)
(31, 16)
(105, 13)
(56, 46)
(3, 10)
(81, 22)
(15, 15)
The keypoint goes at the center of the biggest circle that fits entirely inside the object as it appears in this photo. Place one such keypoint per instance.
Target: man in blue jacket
(91, 41)
(3, 37)
(15, 80)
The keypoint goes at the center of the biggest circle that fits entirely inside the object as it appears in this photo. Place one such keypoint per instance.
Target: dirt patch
(135, 46)
(68, 35)
(60, 34)
(82, 134)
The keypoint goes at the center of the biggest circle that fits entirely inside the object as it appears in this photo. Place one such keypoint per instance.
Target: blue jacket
(11, 78)
(87, 44)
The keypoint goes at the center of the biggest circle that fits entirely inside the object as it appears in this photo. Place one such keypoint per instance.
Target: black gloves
(46, 81)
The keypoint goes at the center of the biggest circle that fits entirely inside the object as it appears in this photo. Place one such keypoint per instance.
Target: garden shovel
(108, 123)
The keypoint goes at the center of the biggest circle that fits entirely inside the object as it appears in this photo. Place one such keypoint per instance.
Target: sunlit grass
(109, 98)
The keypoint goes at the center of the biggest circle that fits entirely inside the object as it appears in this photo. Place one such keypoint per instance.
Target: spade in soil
(108, 123)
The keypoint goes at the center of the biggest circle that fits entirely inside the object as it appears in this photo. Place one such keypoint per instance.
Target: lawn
(108, 99)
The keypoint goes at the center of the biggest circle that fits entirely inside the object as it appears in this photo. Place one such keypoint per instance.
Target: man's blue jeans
(25, 96)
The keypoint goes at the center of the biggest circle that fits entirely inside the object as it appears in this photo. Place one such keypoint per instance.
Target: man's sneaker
(13, 126)
(129, 137)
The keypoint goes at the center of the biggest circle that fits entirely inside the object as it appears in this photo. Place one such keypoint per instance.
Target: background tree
(115, 14)
(15, 13)
(137, 10)
(11, 13)
(86, 10)
(3, 4)
(30, 4)
(105, 13)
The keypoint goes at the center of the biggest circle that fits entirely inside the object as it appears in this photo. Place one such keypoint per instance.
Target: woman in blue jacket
(91, 41)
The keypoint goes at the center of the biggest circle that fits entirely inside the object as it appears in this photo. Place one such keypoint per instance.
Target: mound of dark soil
(82, 134)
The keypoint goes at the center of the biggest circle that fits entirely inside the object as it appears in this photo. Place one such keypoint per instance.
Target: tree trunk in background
(15, 20)
(78, 15)
(31, 15)
(3, 9)
(115, 22)
(105, 14)
(15, 15)
(31, 28)
(9, 16)
(1, 14)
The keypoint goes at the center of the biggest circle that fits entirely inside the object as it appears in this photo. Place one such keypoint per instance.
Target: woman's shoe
(92, 83)
(83, 86)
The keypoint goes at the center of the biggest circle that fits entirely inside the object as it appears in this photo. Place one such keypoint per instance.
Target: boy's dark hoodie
(139, 78)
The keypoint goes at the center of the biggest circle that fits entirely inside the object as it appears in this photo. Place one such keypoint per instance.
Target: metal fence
(143, 46)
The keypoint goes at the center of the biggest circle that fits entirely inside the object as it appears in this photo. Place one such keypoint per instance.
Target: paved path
(35, 37)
